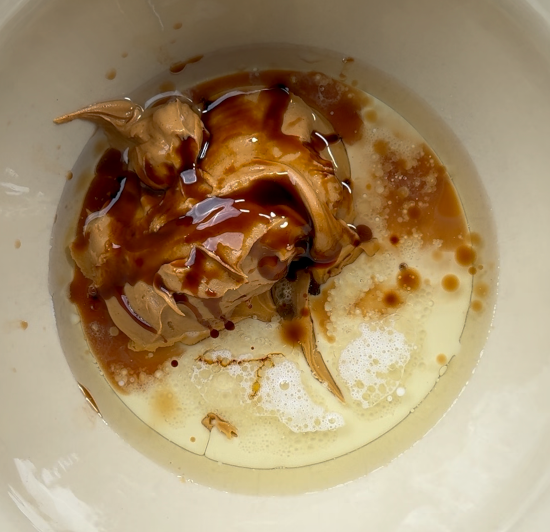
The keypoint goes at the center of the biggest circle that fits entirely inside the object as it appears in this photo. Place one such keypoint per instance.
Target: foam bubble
(283, 394)
(280, 393)
(373, 364)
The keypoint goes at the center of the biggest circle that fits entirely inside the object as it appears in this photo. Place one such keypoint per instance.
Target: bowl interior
(446, 67)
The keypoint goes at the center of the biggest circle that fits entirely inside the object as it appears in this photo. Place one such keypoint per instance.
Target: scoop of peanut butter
(153, 137)
(215, 205)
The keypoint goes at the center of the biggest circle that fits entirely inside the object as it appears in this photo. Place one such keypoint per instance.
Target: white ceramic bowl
(481, 67)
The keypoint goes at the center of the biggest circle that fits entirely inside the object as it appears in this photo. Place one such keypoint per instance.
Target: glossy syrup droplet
(450, 283)
(391, 299)
(408, 279)
(465, 255)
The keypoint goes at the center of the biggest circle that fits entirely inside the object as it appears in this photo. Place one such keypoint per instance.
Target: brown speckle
(17, 244)
(391, 299)
(408, 279)
(124, 55)
(192, 439)
(23, 324)
(111, 74)
(69, 175)
(465, 255)
(177, 25)
(477, 306)
(450, 283)
(441, 359)
(177, 67)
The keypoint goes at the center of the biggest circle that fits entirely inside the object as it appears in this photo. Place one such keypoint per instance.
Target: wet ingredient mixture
(212, 209)
(262, 253)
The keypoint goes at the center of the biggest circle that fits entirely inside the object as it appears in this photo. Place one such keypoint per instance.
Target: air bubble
(380, 375)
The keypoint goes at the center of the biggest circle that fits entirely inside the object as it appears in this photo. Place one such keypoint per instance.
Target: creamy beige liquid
(385, 359)
(389, 326)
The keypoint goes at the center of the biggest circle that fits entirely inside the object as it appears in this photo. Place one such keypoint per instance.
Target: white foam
(283, 394)
(373, 364)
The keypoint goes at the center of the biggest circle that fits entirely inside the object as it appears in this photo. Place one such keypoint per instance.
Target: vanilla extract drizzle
(150, 227)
